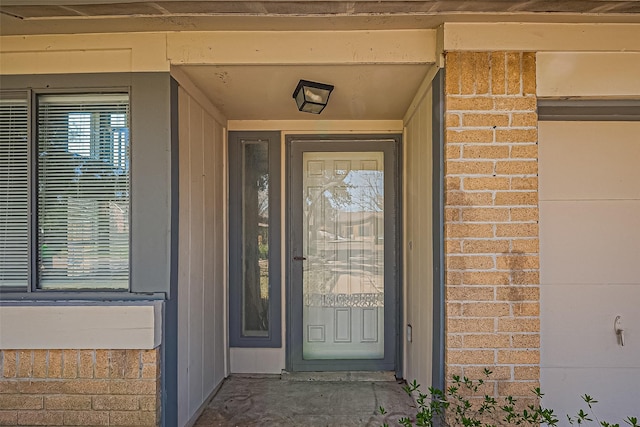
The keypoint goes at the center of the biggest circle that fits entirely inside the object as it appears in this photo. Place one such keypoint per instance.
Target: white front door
(342, 202)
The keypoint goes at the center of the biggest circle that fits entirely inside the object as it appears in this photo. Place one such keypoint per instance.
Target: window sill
(9, 296)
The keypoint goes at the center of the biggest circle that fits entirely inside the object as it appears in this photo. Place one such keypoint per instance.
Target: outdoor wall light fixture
(312, 97)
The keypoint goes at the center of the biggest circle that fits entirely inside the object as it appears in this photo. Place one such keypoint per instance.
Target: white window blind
(83, 191)
(14, 219)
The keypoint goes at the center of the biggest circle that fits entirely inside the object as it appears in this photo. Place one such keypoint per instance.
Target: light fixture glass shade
(312, 97)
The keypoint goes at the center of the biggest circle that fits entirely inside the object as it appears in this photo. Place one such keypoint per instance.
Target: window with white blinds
(83, 191)
(14, 185)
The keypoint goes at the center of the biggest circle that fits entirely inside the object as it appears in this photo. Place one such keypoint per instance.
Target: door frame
(391, 145)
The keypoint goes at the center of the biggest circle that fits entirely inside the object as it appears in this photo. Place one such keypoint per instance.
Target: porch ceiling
(257, 92)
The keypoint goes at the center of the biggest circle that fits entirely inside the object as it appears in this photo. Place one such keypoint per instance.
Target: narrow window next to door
(255, 239)
(254, 159)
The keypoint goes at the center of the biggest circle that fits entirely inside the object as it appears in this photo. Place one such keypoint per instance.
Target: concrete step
(374, 376)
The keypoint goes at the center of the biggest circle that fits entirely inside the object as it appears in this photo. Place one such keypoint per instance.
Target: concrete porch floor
(312, 401)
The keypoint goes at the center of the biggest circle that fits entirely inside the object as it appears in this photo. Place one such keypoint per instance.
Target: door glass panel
(255, 234)
(343, 247)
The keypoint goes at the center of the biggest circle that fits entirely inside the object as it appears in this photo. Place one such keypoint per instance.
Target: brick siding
(79, 387)
(491, 219)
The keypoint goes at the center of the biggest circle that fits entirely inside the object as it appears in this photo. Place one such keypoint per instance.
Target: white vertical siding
(590, 266)
(202, 254)
(418, 242)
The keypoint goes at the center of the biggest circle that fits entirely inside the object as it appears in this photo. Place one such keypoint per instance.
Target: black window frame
(236, 140)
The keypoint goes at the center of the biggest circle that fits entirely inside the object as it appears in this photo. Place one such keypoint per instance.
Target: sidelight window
(255, 239)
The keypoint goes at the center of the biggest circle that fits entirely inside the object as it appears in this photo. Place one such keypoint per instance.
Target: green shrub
(455, 407)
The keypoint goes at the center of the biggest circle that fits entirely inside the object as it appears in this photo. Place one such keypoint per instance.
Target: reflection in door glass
(343, 241)
(255, 235)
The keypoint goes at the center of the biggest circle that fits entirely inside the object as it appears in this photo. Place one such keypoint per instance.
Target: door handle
(299, 258)
(617, 326)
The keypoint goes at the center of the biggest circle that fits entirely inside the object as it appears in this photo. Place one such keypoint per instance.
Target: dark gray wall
(150, 182)
(437, 361)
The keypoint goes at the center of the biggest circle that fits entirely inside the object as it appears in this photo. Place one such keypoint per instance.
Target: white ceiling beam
(86, 53)
(302, 47)
(588, 74)
(541, 37)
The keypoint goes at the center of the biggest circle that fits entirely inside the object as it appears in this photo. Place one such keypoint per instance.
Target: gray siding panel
(150, 182)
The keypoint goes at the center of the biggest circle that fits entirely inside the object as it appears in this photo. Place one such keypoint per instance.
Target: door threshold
(367, 376)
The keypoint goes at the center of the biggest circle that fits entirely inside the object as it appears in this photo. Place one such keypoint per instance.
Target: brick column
(80, 387)
(491, 219)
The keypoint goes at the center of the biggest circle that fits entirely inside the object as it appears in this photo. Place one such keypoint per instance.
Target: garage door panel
(589, 190)
(564, 386)
(577, 326)
(590, 242)
(589, 160)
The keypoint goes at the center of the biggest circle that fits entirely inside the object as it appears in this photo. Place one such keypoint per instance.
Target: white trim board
(540, 37)
(588, 74)
(81, 326)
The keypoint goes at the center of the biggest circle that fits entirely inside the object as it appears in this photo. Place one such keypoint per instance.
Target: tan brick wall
(491, 219)
(79, 387)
